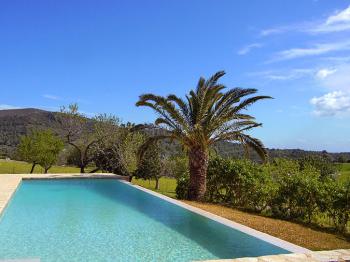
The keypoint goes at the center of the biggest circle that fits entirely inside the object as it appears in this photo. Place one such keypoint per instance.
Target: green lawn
(19, 167)
(166, 185)
(344, 171)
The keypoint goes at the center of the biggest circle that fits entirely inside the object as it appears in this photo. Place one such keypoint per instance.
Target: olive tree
(117, 153)
(83, 133)
(40, 148)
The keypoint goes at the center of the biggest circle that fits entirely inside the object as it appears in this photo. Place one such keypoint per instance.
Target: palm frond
(255, 144)
(207, 114)
(244, 104)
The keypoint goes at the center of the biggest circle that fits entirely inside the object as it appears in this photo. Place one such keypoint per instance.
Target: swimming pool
(108, 220)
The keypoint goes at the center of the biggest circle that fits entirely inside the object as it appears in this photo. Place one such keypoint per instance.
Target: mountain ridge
(17, 122)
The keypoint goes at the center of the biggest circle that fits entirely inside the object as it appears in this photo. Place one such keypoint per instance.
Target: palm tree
(207, 115)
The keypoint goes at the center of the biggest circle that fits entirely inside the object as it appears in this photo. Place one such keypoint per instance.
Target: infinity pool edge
(234, 225)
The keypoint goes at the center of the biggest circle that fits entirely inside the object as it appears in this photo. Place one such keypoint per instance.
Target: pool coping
(4, 201)
(242, 228)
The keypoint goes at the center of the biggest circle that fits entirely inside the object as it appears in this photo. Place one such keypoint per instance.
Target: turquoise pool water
(107, 220)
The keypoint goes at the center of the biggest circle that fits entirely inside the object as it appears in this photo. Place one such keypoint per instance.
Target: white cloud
(271, 31)
(338, 80)
(324, 28)
(283, 29)
(284, 75)
(323, 73)
(52, 97)
(290, 75)
(335, 103)
(5, 107)
(340, 17)
(317, 49)
(245, 50)
(340, 21)
(337, 59)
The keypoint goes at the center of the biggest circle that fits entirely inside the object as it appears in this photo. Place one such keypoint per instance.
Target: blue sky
(104, 54)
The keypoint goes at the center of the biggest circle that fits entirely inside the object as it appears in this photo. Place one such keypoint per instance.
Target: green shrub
(322, 164)
(182, 187)
(297, 195)
(289, 189)
(258, 189)
(222, 180)
(179, 169)
(240, 183)
(335, 202)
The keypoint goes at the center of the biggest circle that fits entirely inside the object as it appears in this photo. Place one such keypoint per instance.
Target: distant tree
(322, 163)
(49, 146)
(27, 150)
(341, 159)
(40, 148)
(207, 115)
(118, 152)
(83, 133)
(152, 165)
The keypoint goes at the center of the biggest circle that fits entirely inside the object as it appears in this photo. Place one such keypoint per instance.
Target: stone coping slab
(340, 255)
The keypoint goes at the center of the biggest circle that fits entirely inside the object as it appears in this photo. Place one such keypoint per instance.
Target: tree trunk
(95, 170)
(198, 164)
(157, 183)
(33, 166)
(46, 169)
(82, 169)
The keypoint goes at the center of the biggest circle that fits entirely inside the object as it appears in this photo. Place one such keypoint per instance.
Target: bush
(239, 182)
(222, 180)
(297, 195)
(335, 201)
(178, 166)
(259, 190)
(289, 189)
(183, 183)
(322, 164)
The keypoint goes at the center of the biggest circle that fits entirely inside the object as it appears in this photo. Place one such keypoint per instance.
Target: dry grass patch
(289, 231)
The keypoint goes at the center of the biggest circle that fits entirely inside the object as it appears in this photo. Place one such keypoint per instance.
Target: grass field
(344, 169)
(18, 167)
(166, 185)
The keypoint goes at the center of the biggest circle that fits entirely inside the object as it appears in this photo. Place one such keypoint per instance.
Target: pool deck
(10, 182)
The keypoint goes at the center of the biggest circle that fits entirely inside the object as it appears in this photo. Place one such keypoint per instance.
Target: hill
(17, 122)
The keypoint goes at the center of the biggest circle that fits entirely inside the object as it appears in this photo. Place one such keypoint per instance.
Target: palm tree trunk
(198, 164)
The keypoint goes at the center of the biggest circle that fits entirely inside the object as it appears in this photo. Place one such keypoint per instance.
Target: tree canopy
(40, 148)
